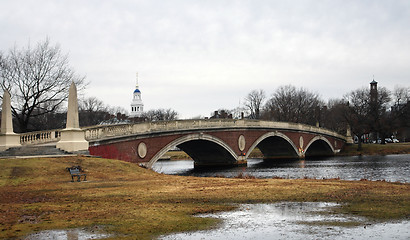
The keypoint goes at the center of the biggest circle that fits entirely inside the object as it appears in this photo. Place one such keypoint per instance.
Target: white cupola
(137, 107)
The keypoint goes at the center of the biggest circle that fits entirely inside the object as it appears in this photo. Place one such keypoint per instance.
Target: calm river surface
(390, 168)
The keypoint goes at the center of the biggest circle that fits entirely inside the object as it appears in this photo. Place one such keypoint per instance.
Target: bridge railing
(107, 131)
(37, 137)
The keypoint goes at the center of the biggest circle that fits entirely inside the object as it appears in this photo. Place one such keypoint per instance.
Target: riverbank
(136, 203)
(376, 149)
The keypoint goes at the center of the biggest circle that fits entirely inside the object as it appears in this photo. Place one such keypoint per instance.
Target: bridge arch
(188, 142)
(319, 146)
(282, 141)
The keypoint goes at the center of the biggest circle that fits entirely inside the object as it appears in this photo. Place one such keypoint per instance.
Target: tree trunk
(359, 143)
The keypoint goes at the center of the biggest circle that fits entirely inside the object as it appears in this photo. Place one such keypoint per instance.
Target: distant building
(137, 107)
(221, 114)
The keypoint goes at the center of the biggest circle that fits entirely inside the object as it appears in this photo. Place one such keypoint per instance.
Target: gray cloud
(198, 56)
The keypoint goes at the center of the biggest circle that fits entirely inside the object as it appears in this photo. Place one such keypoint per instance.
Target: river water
(389, 168)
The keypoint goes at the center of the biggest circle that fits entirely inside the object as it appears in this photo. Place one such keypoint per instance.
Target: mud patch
(17, 172)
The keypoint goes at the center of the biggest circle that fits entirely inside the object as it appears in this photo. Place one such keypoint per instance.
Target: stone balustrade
(40, 137)
(110, 131)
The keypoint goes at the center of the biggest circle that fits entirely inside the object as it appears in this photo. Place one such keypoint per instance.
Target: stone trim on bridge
(96, 133)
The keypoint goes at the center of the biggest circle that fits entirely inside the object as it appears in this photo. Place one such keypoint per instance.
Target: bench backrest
(74, 171)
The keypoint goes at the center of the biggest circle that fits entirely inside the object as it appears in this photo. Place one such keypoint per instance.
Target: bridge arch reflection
(204, 149)
(319, 147)
(275, 145)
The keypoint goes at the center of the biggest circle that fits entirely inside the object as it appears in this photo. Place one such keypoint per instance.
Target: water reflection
(390, 168)
(295, 221)
(69, 234)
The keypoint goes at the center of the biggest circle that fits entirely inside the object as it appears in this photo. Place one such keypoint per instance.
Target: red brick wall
(127, 150)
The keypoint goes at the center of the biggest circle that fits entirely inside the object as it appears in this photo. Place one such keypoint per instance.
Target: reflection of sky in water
(286, 221)
(389, 168)
(70, 234)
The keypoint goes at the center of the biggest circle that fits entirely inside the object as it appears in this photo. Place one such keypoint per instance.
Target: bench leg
(85, 177)
(78, 178)
(72, 178)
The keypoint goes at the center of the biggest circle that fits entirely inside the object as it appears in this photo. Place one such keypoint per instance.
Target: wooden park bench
(76, 171)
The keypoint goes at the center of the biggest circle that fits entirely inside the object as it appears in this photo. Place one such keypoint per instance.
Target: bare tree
(161, 115)
(400, 112)
(92, 104)
(38, 80)
(254, 102)
(401, 95)
(334, 118)
(289, 104)
(356, 113)
(92, 111)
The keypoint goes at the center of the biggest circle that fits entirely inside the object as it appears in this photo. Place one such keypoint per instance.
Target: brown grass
(177, 155)
(377, 149)
(136, 203)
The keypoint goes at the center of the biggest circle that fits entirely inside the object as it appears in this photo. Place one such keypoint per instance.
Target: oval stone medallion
(241, 142)
(142, 150)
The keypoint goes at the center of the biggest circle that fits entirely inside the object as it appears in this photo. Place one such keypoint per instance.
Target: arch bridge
(219, 142)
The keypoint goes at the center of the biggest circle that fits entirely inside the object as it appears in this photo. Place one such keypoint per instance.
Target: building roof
(137, 91)
(373, 82)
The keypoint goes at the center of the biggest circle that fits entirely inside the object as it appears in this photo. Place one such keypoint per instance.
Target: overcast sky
(198, 56)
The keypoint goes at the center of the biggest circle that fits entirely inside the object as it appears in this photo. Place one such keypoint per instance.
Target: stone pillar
(8, 138)
(72, 137)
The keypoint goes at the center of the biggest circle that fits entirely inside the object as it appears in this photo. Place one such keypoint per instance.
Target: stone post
(8, 138)
(72, 137)
(349, 138)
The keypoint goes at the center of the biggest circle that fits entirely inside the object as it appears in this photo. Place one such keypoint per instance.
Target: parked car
(395, 140)
(388, 140)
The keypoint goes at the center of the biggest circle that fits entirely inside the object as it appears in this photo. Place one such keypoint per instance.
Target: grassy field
(377, 149)
(136, 203)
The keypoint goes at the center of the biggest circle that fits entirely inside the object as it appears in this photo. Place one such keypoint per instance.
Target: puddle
(69, 234)
(295, 221)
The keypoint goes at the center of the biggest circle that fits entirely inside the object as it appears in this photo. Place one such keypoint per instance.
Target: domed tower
(137, 107)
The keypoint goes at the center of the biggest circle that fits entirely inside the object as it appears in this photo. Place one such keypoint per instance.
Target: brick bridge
(211, 142)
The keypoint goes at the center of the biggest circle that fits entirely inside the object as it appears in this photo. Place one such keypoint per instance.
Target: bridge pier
(242, 161)
(216, 165)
